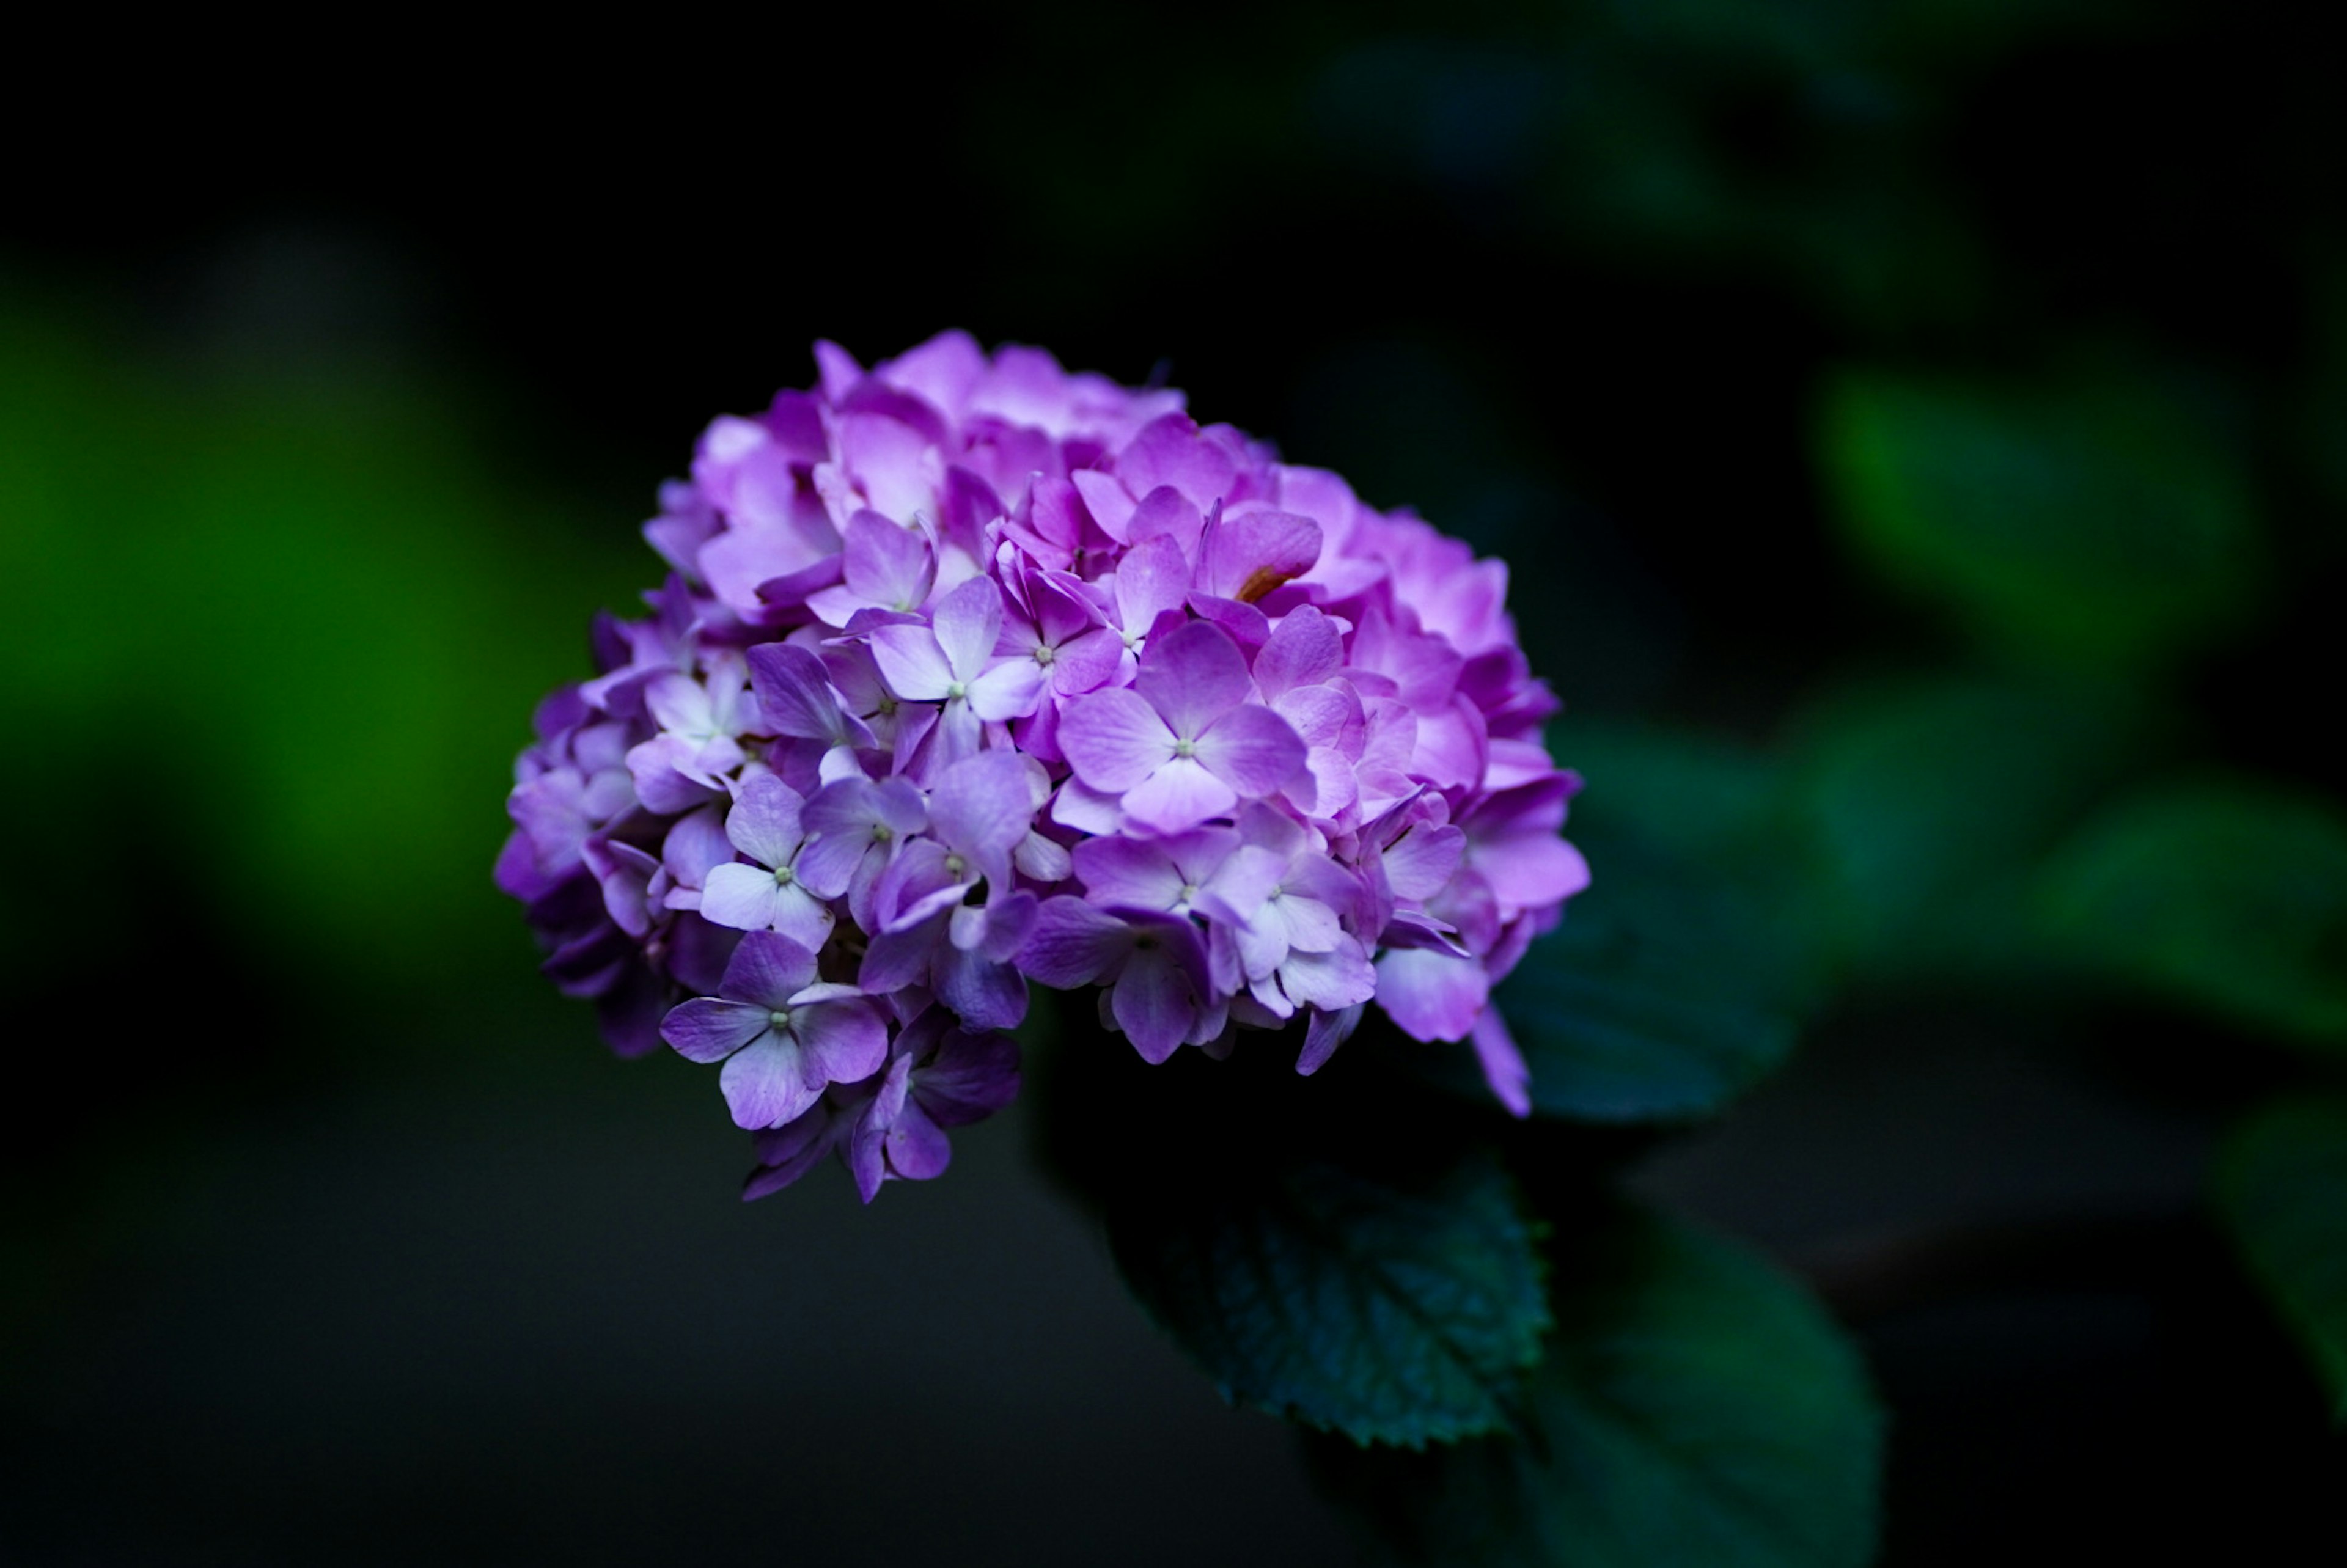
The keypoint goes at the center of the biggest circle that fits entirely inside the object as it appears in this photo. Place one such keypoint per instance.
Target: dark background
(331, 392)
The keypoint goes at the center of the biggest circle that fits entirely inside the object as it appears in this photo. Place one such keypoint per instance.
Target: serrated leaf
(2097, 523)
(1392, 1310)
(1669, 989)
(2281, 1184)
(1694, 1406)
(2227, 893)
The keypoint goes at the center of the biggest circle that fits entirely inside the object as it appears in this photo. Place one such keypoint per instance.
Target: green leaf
(1931, 802)
(1391, 1309)
(1694, 1406)
(2230, 894)
(2281, 1184)
(2096, 524)
(1669, 989)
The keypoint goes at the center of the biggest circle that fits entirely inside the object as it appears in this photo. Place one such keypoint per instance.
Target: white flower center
(1045, 653)
(783, 876)
(1185, 748)
(779, 1019)
(956, 689)
(955, 865)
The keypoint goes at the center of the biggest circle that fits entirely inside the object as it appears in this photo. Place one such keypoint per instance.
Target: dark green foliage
(1694, 1406)
(2281, 1183)
(1397, 1311)
(2097, 524)
(2230, 894)
(1929, 802)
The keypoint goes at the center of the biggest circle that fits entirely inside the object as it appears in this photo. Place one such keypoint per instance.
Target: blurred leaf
(1391, 1311)
(305, 606)
(1932, 801)
(1669, 989)
(2097, 525)
(2281, 1184)
(2228, 893)
(1694, 1406)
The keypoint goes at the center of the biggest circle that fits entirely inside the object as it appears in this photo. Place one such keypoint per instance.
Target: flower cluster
(970, 672)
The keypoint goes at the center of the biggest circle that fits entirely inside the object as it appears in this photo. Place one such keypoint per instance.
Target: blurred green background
(1918, 435)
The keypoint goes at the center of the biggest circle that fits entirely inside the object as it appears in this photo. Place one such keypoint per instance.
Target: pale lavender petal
(1504, 1064)
(1151, 580)
(886, 564)
(706, 1030)
(1128, 871)
(1042, 858)
(1105, 499)
(1114, 739)
(1330, 981)
(1192, 676)
(1180, 795)
(763, 1086)
(1165, 513)
(801, 915)
(1528, 872)
(1008, 691)
(1252, 749)
(1419, 863)
(695, 845)
(1429, 993)
(973, 1075)
(739, 896)
(767, 969)
(764, 822)
(969, 621)
(981, 808)
(912, 663)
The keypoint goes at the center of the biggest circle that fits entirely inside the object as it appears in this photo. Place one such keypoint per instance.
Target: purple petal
(1165, 513)
(1248, 556)
(973, 1075)
(706, 1030)
(1331, 982)
(1253, 750)
(1323, 1033)
(1114, 739)
(1192, 676)
(984, 993)
(1504, 1064)
(767, 969)
(918, 1149)
(1073, 943)
(1429, 993)
(1085, 662)
(763, 1086)
(1419, 863)
(1154, 1003)
(839, 1041)
(1105, 499)
(797, 697)
(1304, 650)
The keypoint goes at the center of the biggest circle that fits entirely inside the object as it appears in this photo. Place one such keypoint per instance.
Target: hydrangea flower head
(970, 672)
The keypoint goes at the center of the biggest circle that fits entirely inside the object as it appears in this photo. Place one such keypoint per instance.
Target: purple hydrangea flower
(970, 672)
